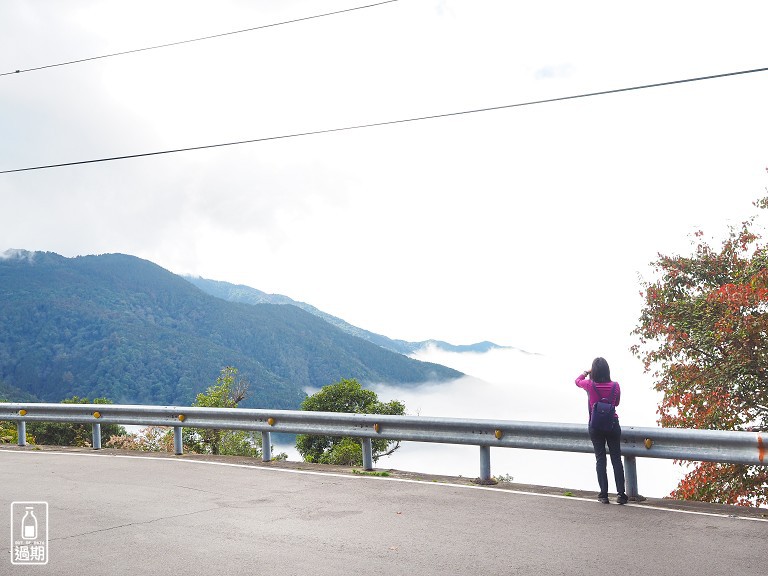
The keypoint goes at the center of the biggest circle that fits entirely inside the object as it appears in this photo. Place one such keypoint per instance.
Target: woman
(599, 386)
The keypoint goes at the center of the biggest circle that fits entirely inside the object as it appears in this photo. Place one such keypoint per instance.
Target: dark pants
(613, 439)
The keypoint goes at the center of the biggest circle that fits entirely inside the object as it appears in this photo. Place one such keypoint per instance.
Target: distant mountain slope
(12, 394)
(248, 295)
(125, 328)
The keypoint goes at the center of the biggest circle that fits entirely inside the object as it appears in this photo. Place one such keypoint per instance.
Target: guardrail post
(96, 444)
(630, 474)
(367, 454)
(485, 463)
(21, 429)
(266, 446)
(178, 444)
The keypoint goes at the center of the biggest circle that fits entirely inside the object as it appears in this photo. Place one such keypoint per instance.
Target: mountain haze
(248, 295)
(122, 327)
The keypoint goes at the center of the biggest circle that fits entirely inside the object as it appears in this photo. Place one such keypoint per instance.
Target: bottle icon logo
(29, 524)
(29, 533)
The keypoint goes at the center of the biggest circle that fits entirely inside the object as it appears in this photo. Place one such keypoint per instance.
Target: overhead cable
(197, 39)
(391, 122)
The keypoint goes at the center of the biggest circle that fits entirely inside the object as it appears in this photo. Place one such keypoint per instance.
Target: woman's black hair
(600, 370)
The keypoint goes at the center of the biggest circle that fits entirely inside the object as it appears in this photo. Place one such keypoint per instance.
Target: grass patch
(365, 473)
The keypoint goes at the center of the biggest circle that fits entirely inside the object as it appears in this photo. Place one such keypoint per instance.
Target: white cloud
(512, 385)
(525, 226)
(553, 71)
(17, 254)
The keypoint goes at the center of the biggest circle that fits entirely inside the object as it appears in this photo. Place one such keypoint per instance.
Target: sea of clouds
(511, 384)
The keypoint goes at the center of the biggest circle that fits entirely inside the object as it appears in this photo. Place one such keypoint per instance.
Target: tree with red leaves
(703, 333)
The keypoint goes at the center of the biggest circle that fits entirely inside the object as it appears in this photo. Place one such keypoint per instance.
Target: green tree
(345, 396)
(703, 333)
(228, 392)
(71, 434)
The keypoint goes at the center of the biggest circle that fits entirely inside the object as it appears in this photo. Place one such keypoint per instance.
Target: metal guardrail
(670, 443)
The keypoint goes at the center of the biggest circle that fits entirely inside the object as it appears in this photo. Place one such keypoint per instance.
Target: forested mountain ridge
(122, 327)
(248, 295)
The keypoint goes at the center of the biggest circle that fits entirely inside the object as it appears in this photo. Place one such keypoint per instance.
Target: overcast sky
(526, 226)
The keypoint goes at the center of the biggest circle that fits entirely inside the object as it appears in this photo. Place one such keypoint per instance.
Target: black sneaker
(603, 499)
(622, 499)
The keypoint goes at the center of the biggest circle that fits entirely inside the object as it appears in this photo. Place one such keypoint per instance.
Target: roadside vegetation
(345, 396)
(703, 335)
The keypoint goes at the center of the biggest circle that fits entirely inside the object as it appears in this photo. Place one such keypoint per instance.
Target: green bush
(345, 396)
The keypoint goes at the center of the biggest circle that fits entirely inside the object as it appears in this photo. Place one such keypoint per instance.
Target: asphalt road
(115, 515)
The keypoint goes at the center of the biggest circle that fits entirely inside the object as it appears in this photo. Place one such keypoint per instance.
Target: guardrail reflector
(271, 421)
(97, 414)
(498, 434)
(377, 427)
(648, 443)
(182, 417)
(22, 412)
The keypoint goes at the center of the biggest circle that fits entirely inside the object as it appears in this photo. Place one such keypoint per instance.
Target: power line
(390, 122)
(198, 39)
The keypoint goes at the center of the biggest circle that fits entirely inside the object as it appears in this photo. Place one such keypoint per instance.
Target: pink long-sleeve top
(603, 387)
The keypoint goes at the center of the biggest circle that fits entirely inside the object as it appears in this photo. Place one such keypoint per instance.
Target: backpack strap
(613, 394)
